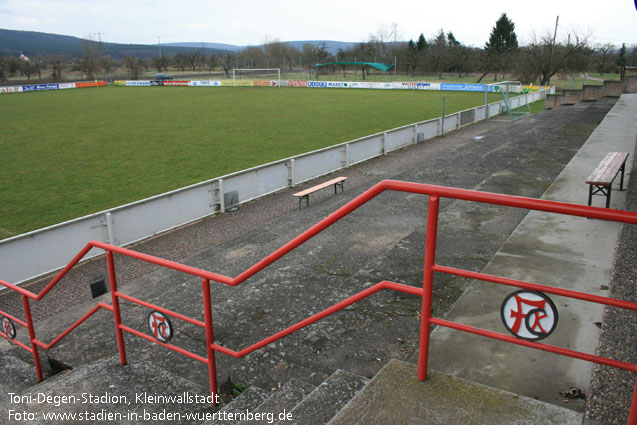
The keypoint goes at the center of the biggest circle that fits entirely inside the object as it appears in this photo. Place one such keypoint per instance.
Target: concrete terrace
(547, 155)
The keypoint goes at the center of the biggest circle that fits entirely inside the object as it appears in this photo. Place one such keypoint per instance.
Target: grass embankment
(69, 153)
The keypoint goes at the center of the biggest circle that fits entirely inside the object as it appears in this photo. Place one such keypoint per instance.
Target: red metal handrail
(434, 193)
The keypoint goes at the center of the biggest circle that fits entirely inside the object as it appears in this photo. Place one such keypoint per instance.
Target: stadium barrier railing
(434, 193)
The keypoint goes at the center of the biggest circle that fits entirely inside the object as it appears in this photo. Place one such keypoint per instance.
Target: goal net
(514, 105)
(270, 77)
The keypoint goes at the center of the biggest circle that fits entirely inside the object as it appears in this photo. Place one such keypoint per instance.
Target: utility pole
(553, 46)
(159, 45)
(99, 35)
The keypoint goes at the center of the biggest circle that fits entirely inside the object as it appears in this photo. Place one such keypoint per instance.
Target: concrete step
(106, 391)
(326, 399)
(395, 396)
(15, 374)
(237, 409)
(281, 402)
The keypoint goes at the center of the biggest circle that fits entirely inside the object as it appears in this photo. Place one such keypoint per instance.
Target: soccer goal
(513, 103)
(256, 76)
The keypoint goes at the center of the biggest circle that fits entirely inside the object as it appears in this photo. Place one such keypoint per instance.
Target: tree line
(503, 56)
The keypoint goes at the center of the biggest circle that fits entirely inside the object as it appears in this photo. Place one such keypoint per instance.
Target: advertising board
(413, 85)
(40, 87)
(176, 83)
(90, 84)
(205, 83)
(67, 86)
(11, 89)
(464, 87)
(329, 84)
(382, 86)
(137, 83)
(263, 83)
(297, 83)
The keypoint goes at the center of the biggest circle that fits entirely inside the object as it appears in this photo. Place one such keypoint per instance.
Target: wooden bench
(305, 194)
(601, 179)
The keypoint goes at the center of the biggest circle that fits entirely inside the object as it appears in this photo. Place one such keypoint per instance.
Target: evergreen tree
(502, 44)
(621, 59)
(421, 44)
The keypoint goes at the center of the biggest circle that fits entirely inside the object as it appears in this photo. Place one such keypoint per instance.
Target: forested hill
(32, 43)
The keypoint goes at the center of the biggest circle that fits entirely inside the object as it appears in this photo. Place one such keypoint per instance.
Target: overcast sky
(252, 22)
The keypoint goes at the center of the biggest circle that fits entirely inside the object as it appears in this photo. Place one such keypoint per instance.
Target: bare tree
(439, 53)
(56, 70)
(604, 57)
(88, 61)
(543, 57)
(134, 67)
(161, 63)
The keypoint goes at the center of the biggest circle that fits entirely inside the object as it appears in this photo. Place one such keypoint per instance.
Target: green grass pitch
(69, 153)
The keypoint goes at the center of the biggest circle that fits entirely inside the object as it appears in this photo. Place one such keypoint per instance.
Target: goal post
(247, 76)
(509, 90)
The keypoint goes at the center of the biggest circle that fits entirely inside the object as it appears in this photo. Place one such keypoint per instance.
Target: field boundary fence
(43, 251)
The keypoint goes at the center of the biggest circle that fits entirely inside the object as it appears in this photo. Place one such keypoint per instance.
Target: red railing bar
(26, 304)
(512, 201)
(424, 189)
(162, 262)
(74, 325)
(318, 316)
(434, 192)
(16, 342)
(537, 287)
(163, 344)
(15, 319)
(539, 346)
(160, 309)
(210, 337)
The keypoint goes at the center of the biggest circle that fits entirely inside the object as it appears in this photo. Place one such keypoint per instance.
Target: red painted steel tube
(161, 262)
(539, 346)
(318, 316)
(15, 319)
(210, 339)
(433, 191)
(512, 201)
(632, 417)
(81, 320)
(160, 309)
(537, 287)
(427, 286)
(117, 316)
(53, 282)
(16, 342)
(311, 232)
(163, 344)
(464, 194)
(32, 338)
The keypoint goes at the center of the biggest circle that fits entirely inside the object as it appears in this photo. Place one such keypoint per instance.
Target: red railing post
(425, 315)
(210, 339)
(116, 313)
(34, 347)
(632, 417)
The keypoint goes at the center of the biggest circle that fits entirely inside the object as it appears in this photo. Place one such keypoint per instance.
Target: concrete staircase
(589, 92)
(314, 372)
(395, 396)
(106, 391)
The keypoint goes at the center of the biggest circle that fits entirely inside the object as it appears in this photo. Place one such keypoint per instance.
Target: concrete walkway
(562, 251)
(443, 400)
